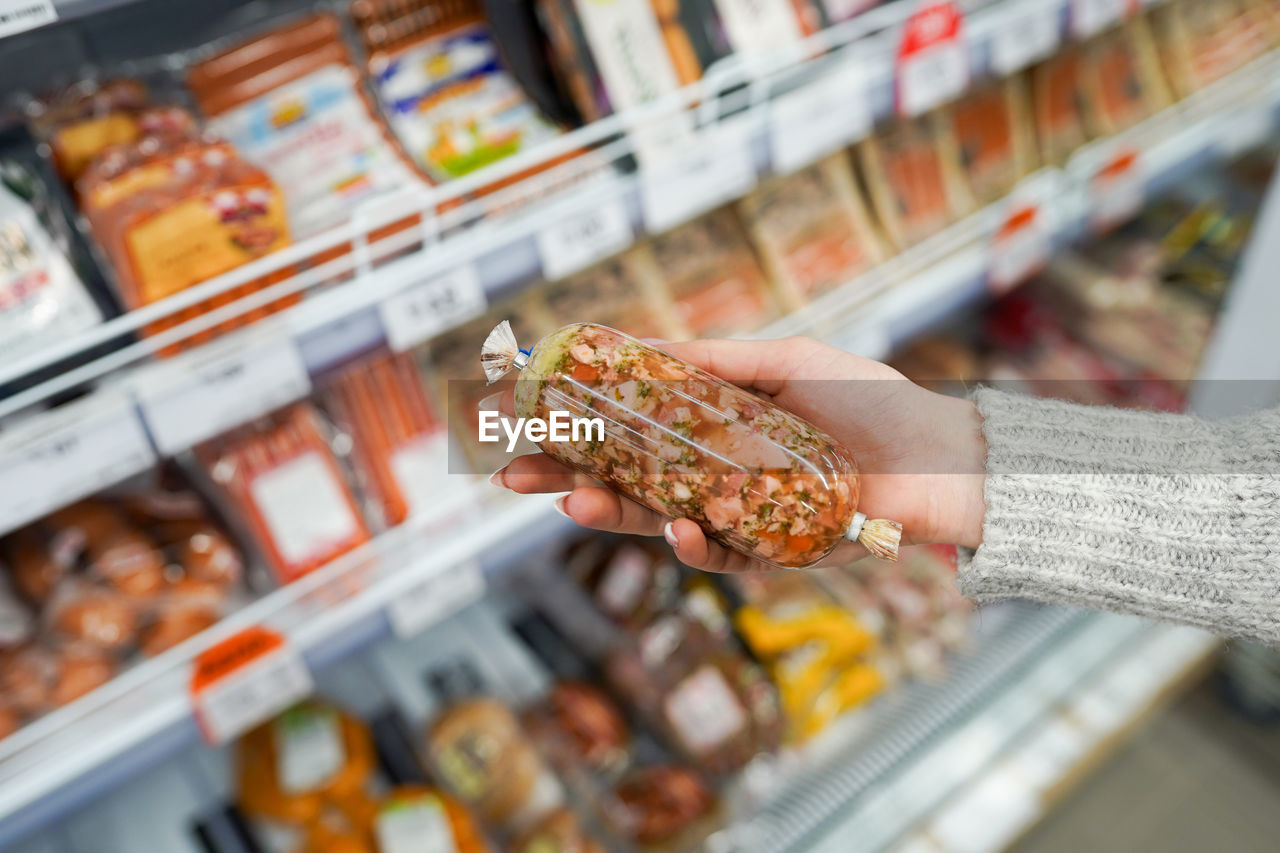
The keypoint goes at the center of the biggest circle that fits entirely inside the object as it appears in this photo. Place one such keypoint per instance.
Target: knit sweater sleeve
(1165, 516)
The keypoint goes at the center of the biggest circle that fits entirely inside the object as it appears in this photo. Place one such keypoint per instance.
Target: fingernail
(560, 508)
(490, 403)
(669, 534)
(497, 477)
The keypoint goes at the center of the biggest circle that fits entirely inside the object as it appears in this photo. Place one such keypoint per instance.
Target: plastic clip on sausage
(686, 444)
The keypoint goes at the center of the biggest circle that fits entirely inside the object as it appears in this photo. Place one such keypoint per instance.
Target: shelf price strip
(932, 60)
(71, 452)
(1030, 35)
(432, 307)
(579, 240)
(219, 386)
(434, 598)
(818, 118)
(1117, 190)
(1019, 249)
(245, 679)
(712, 167)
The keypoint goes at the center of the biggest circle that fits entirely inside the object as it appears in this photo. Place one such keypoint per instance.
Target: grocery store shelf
(972, 763)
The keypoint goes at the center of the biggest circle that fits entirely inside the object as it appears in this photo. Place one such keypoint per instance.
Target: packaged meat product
(815, 650)
(714, 277)
(1122, 80)
(283, 476)
(36, 569)
(178, 220)
(129, 563)
(1057, 95)
(588, 38)
(445, 91)
(991, 128)
(10, 720)
(98, 617)
(89, 117)
(312, 754)
(687, 444)
(292, 102)
(16, 623)
(1204, 40)
(558, 832)
(79, 670)
(631, 582)
(177, 621)
(415, 817)
(812, 230)
(42, 299)
(399, 446)
(27, 675)
(478, 747)
(626, 290)
(661, 804)
(711, 703)
(914, 177)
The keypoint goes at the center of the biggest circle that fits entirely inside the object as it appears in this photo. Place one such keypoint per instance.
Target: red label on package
(245, 679)
(933, 64)
(1019, 249)
(1117, 190)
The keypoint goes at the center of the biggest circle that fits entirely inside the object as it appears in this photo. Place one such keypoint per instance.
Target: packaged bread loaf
(687, 444)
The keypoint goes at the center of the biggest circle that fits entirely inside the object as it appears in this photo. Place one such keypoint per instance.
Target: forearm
(1160, 515)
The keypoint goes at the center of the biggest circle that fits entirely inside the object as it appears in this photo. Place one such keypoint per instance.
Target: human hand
(921, 455)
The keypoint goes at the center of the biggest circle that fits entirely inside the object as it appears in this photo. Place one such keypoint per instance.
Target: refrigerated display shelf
(503, 246)
(45, 769)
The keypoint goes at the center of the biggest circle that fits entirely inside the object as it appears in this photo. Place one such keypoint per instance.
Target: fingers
(503, 400)
(601, 509)
(536, 473)
(694, 549)
(762, 365)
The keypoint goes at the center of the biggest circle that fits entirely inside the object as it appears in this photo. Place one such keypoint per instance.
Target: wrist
(961, 503)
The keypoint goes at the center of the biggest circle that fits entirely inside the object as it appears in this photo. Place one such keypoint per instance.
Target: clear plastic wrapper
(688, 444)
(1057, 96)
(991, 128)
(1123, 82)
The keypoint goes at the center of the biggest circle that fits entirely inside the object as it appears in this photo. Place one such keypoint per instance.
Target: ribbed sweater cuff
(1159, 515)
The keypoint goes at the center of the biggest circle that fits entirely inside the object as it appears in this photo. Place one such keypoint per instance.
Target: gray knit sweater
(1166, 516)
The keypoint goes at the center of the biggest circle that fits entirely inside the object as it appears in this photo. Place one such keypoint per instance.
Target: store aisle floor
(1197, 779)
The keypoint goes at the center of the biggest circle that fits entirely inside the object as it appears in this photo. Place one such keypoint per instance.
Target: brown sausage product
(283, 475)
(174, 624)
(1123, 83)
(128, 562)
(659, 804)
(291, 101)
(1058, 98)
(812, 229)
(1203, 40)
(716, 281)
(79, 671)
(913, 174)
(36, 570)
(398, 445)
(97, 617)
(991, 129)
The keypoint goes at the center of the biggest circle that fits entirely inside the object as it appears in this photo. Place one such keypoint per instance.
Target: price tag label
(1117, 190)
(435, 597)
(434, 306)
(60, 456)
(818, 118)
(579, 240)
(1090, 17)
(209, 390)
(933, 62)
(18, 16)
(245, 679)
(1019, 249)
(715, 166)
(1029, 35)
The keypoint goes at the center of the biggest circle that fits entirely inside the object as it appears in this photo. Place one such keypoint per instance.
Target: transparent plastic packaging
(686, 444)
